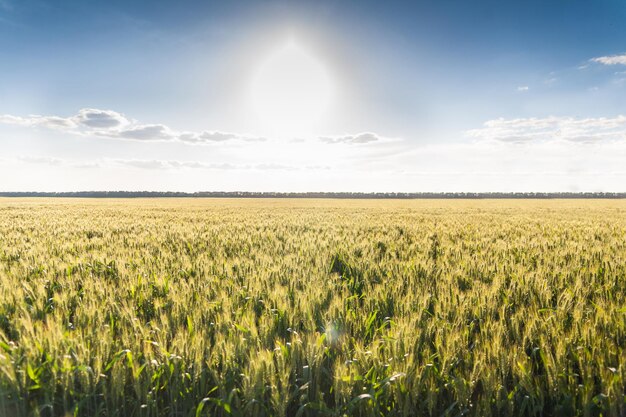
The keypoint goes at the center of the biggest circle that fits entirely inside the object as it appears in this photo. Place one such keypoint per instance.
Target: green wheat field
(277, 307)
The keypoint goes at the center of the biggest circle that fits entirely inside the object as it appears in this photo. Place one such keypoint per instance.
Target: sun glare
(291, 91)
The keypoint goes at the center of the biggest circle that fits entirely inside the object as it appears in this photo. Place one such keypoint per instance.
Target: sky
(511, 96)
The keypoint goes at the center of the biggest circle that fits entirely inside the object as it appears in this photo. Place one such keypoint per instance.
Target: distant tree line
(344, 195)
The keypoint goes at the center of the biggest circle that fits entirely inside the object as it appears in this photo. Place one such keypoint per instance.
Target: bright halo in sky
(291, 91)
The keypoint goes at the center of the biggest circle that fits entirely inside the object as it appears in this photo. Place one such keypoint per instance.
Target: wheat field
(276, 307)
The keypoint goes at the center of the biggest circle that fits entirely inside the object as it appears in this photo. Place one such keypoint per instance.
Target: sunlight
(291, 91)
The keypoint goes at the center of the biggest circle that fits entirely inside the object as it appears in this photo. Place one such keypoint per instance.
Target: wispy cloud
(159, 164)
(360, 138)
(611, 59)
(52, 122)
(56, 162)
(552, 128)
(41, 160)
(522, 88)
(115, 125)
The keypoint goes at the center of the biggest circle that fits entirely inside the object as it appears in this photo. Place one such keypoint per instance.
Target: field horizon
(467, 195)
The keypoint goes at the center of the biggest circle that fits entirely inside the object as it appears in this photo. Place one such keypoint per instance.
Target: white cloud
(522, 88)
(144, 132)
(552, 128)
(115, 125)
(611, 59)
(100, 119)
(365, 137)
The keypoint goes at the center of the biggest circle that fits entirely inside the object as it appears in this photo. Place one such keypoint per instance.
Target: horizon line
(322, 194)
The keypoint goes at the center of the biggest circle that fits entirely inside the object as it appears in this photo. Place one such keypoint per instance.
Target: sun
(291, 91)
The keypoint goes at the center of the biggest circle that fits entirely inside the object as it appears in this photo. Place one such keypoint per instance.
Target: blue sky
(417, 96)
